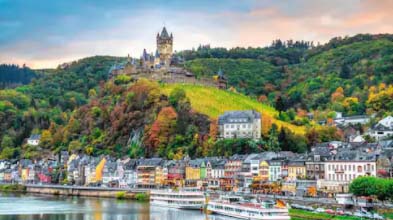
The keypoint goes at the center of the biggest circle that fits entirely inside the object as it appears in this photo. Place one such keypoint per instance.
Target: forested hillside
(48, 100)
(352, 75)
(13, 75)
(77, 108)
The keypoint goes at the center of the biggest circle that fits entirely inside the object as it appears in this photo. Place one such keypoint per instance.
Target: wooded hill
(79, 109)
(351, 75)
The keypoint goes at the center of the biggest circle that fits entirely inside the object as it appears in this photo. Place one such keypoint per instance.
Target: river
(48, 207)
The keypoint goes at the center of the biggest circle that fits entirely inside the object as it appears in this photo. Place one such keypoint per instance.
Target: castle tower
(165, 47)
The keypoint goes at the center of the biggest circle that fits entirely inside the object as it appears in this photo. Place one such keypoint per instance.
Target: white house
(240, 124)
(383, 129)
(356, 119)
(387, 122)
(274, 170)
(340, 173)
(34, 140)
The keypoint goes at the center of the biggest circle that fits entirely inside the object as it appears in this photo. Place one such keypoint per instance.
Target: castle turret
(165, 47)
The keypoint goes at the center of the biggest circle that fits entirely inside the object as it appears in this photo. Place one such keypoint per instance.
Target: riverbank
(12, 188)
(297, 214)
(133, 194)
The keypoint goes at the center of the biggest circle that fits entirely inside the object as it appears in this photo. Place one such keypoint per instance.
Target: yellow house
(159, 176)
(99, 169)
(296, 169)
(25, 174)
(263, 170)
(289, 188)
(193, 173)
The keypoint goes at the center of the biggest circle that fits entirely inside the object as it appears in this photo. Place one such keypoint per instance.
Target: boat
(234, 206)
(181, 199)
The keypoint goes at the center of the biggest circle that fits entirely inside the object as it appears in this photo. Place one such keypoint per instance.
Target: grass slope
(213, 102)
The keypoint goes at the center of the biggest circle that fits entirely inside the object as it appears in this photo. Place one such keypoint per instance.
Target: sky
(46, 33)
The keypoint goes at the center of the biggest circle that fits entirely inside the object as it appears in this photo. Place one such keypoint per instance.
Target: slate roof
(150, 162)
(247, 115)
(35, 137)
(164, 33)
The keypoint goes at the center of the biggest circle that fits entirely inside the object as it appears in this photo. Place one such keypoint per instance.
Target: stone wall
(83, 191)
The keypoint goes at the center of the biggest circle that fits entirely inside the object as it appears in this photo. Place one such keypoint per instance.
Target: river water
(47, 207)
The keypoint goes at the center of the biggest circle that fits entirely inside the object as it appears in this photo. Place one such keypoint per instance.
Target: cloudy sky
(45, 33)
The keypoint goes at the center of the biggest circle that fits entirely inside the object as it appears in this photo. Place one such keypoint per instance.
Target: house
(44, 176)
(383, 129)
(296, 169)
(274, 170)
(130, 175)
(34, 140)
(110, 175)
(2, 171)
(350, 120)
(344, 167)
(315, 166)
(217, 172)
(146, 172)
(232, 167)
(264, 170)
(194, 171)
(159, 177)
(8, 176)
(240, 124)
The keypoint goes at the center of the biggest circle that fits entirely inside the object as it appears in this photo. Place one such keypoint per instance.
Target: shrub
(141, 197)
(120, 195)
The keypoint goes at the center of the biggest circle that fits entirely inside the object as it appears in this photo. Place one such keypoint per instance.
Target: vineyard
(213, 102)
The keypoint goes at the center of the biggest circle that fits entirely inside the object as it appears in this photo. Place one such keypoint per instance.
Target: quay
(83, 190)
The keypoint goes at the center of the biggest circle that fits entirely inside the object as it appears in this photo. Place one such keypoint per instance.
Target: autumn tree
(162, 130)
(338, 95)
(46, 139)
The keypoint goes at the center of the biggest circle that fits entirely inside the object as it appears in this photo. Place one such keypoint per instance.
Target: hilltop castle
(163, 54)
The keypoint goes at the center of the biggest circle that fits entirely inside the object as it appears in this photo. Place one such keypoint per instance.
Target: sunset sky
(45, 33)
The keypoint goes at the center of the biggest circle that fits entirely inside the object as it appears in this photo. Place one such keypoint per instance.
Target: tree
(345, 71)
(161, 132)
(46, 139)
(7, 153)
(272, 141)
(280, 104)
(176, 95)
(7, 142)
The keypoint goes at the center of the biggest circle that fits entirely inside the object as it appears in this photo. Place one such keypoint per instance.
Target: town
(325, 171)
(197, 110)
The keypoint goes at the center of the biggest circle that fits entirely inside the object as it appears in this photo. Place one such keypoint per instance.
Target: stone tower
(164, 47)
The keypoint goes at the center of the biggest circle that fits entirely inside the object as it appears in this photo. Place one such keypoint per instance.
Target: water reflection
(28, 207)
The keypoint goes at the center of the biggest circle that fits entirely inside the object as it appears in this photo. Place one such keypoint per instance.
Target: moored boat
(233, 206)
(181, 199)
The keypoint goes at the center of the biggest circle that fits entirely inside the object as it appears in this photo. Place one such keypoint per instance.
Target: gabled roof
(35, 137)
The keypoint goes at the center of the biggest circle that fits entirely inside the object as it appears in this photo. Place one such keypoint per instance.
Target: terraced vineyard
(213, 102)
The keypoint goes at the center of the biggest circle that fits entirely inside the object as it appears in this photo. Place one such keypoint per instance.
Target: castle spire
(164, 33)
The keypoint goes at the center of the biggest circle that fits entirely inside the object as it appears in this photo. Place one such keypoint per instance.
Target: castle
(164, 66)
(163, 54)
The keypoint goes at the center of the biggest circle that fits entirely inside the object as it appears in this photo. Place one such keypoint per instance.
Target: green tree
(7, 142)
(272, 141)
